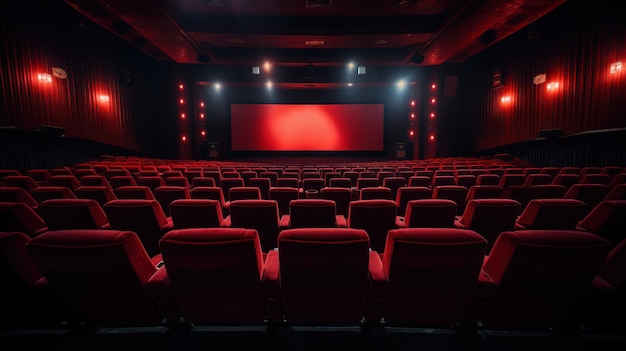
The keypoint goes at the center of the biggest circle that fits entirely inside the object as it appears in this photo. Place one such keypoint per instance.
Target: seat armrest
(271, 286)
(400, 222)
(340, 221)
(377, 283)
(285, 221)
(227, 222)
(458, 224)
(159, 288)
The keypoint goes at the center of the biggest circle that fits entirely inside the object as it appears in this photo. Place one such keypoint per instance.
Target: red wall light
(184, 138)
(507, 99)
(616, 67)
(182, 116)
(181, 101)
(180, 86)
(433, 100)
(432, 137)
(411, 133)
(433, 86)
(203, 133)
(202, 115)
(552, 86)
(412, 102)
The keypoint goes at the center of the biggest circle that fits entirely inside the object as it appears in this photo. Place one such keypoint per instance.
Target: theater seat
(18, 217)
(215, 275)
(312, 213)
(73, 214)
(489, 217)
(538, 279)
(321, 275)
(376, 217)
(551, 214)
(196, 213)
(431, 276)
(102, 277)
(144, 217)
(258, 214)
(608, 220)
(435, 213)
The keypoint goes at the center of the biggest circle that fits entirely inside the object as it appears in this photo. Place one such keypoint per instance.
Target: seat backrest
(483, 192)
(432, 273)
(323, 275)
(17, 194)
(20, 181)
(456, 193)
(312, 213)
(408, 193)
(101, 193)
(552, 214)
(435, 213)
(608, 220)
(67, 180)
(19, 217)
(215, 274)
(541, 276)
(227, 183)
(490, 217)
(99, 276)
(196, 213)
(118, 181)
(168, 193)
(132, 192)
(376, 217)
(94, 180)
(259, 214)
(283, 196)
(375, 193)
(341, 196)
(591, 194)
(72, 214)
(144, 217)
(264, 185)
(538, 179)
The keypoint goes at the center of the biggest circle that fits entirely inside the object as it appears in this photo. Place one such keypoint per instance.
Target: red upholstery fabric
(489, 217)
(215, 274)
(18, 217)
(552, 214)
(312, 213)
(99, 276)
(436, 213)
(261, 215)
(72, 214)
(541, 277)
(323, 275)
(17, 194)
(376, 217)
(608, 220)
(134, 192)
(196, 213)
(432, 273)
(144, 217)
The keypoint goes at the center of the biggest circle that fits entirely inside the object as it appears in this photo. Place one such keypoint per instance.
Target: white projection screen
(307, 127)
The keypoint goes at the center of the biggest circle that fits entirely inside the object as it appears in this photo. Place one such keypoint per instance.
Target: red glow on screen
(298, 127)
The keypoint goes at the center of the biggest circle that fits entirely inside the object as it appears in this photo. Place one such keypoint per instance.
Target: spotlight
(360, 70)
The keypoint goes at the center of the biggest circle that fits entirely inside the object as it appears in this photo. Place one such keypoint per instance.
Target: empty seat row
(426, 277)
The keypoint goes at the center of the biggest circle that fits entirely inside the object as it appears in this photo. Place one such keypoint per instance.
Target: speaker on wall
(418, 58)
(403, 151)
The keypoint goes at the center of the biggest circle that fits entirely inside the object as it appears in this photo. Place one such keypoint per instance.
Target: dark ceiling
(313, 32)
